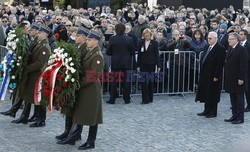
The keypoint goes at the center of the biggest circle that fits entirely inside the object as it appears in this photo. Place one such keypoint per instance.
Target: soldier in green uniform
(88, 110)
(80, 41)
(34, 69)
(17, 101)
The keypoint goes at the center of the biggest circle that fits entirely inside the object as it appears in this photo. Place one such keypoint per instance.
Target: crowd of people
(220, 34)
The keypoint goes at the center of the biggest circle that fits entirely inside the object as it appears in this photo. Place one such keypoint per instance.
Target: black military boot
(40, 122)
(9, 113)
(90, 143)
(14, 108)
(68, 124)
(35, 115)
(25, 114)
(74, 134)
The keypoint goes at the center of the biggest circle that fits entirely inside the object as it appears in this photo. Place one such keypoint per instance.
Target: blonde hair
(147, 31)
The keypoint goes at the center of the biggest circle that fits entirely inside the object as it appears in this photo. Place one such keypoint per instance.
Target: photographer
(176, 44)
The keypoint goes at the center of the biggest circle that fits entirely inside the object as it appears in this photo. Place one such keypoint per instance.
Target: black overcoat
(236, 69)
(211, 67)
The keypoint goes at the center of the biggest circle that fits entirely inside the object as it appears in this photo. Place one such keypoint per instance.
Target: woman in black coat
(148, 58)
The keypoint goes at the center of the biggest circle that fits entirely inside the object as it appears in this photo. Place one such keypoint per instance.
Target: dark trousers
(26, 110)
(211, 108)
(92, 133)
(126, 86)
(237, 102)
(147, 86)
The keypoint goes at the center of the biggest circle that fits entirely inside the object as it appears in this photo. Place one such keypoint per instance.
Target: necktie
(205, 56)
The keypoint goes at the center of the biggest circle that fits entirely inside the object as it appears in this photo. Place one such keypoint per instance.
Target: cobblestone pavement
(169, 124)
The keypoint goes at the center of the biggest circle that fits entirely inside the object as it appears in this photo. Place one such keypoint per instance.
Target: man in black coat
(244, 42)
(236, 77)
(209, 86)
(121, 49)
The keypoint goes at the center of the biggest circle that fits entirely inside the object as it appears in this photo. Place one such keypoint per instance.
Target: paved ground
(169, 124)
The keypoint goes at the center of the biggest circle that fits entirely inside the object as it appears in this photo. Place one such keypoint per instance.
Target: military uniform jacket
(88, 109)
(83, 51)
(39, 58)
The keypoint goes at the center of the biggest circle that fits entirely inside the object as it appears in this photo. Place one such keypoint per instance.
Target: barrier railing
(179, 71)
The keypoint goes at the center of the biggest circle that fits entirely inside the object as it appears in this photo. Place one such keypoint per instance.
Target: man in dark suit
(209, 86)
(236, 77)
(121, 49)
(244, 42)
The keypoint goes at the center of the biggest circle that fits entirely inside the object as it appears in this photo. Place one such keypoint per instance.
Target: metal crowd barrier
(179, 73)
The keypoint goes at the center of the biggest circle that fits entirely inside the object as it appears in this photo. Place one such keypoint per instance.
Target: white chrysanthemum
(13, 77)
(12, 61)
(71, 64)
(72, 70)
(72, 80)
(18, 64)
(70, 59)
(19, 57)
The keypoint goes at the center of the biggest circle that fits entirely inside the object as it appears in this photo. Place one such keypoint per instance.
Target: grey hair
(236, 35)
(214, 34)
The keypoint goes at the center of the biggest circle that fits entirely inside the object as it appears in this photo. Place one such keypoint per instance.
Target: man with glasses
(58, 21)
(209, 86)
(236, 77)
(4, 29)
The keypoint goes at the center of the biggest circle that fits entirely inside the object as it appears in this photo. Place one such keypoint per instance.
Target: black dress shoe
(86, 146)
(230, 119)
(247, 109)
(109, 102)
(9, 113)
(237, 122)
(32, 119)
(202, 114)
(38, 124)
(210, 116)
(20, 120)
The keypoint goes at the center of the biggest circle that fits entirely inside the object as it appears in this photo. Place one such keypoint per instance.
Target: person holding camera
(176, 59)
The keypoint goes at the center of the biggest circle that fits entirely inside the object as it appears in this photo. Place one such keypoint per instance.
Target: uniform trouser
(211, 108)
(26, 110)
(115, 83)
(92, 133)
(14, 97)
(147, 85)
(237, 102)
